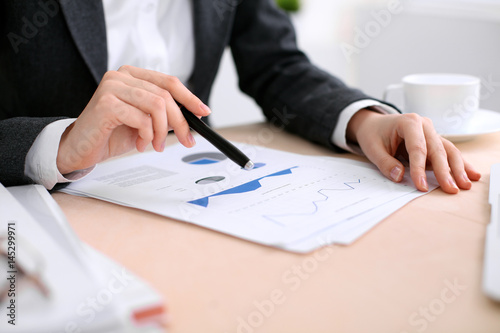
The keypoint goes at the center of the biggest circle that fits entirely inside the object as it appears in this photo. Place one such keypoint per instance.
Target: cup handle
(391, 89)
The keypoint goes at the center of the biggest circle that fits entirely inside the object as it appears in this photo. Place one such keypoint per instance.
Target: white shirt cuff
(340, 131)
(41, 161)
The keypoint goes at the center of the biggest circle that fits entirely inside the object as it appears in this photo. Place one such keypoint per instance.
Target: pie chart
(204, 158)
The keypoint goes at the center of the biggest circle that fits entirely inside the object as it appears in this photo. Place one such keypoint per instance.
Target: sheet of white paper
(88, 292)
(40, 205)
(283, 201)
(36, 313)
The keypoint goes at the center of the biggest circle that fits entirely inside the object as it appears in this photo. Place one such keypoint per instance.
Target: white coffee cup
(449, 100)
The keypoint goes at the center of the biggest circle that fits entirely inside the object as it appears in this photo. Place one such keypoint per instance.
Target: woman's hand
(382, 137)
(131, 108)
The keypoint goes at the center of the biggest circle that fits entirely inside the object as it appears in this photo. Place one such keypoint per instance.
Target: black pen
(226, 147)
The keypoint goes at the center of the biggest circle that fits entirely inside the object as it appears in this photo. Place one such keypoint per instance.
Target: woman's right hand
(131, 108)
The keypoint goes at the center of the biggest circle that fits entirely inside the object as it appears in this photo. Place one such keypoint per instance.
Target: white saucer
(484, 122)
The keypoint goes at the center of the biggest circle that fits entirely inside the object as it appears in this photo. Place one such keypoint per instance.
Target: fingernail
(205, 108)
(452, 183)
(396, 173)
(162, 148)
(191, 139)
(423, 183)
(465, 177)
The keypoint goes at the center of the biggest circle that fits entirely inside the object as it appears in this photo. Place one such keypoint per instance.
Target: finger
(171, 84)
(129, 115)
(173, 119)
(457, 165)
(411, 130)
(154, 106)
(146, 97)
(169, 118)
(179, 124)
(462, 171)
(176, 120)
(473, 174)
(439, 159)
(386, 163)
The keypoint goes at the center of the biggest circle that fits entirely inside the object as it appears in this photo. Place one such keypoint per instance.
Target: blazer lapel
(86, 23)
(211, 28)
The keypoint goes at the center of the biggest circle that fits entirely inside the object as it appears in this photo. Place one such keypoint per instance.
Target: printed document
(291, 201)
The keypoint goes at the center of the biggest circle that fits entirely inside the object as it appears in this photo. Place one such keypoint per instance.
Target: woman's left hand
(381, 137)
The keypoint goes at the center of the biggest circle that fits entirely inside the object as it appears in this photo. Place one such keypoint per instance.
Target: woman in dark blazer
(53, 65)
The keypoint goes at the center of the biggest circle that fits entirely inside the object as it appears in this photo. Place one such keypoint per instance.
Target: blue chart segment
(247, 187)
(256, 166)
(204, 161)
(315, 204)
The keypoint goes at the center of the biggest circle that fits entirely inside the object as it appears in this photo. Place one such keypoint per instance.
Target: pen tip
(249, 165)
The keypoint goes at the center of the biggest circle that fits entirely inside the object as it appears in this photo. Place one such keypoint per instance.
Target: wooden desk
(417, 271)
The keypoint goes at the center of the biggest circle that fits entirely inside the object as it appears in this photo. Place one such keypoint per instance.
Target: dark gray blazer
(53, 55)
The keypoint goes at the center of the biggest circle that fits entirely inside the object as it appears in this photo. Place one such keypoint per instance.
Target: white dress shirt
(151, 34)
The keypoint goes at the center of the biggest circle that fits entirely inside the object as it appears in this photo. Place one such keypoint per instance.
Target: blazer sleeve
(16, 137)
(43, 75)
(292, 92)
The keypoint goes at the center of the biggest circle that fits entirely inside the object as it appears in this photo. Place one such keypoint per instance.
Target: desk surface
(419, 270)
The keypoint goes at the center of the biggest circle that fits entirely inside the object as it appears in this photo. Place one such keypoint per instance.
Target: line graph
(275, 218)
(300, 199)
